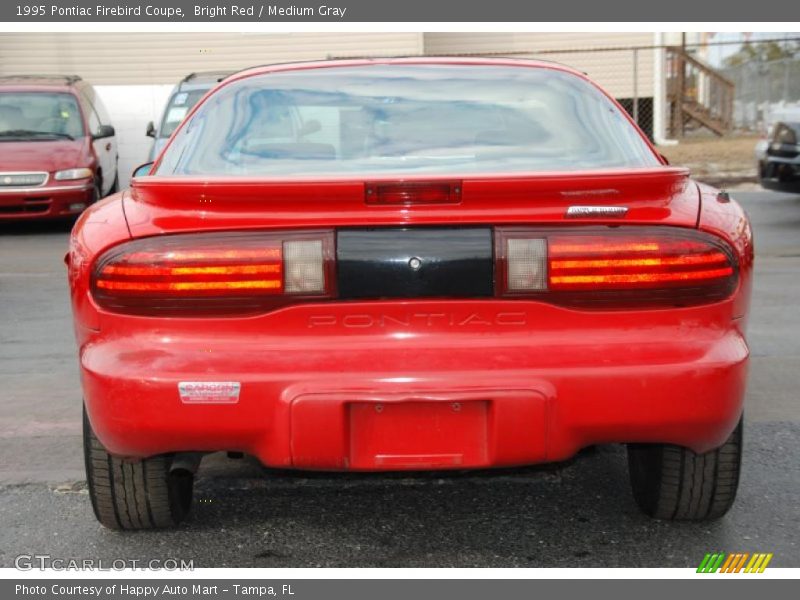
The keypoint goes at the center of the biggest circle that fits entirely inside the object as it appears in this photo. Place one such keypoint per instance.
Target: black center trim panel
(435, 262)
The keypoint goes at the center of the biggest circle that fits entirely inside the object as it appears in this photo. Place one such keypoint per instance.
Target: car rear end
(550, 335)
(423, 319)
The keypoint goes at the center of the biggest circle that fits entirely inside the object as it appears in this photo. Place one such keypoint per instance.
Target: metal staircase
(698, 96)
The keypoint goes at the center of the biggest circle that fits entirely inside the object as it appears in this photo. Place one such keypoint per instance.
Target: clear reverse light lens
(304, 266)
(526, 259)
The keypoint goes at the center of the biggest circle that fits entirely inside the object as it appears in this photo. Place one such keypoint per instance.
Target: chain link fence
(630, 75)
(674, 92)
(765, 90)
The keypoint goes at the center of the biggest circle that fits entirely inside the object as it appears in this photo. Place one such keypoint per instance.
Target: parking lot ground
(576, 514)
(716, 160)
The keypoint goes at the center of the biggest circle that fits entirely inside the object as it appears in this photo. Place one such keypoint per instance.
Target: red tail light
(214, 273)
(615, 267)
(408, 192)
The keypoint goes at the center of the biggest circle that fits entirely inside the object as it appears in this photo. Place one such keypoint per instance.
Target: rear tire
(676, 484)
(134, 495)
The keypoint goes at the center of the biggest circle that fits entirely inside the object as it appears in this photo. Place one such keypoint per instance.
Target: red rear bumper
(46, 202)
(418, 385)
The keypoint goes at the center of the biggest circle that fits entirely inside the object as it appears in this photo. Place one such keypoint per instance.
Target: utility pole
(680, 90)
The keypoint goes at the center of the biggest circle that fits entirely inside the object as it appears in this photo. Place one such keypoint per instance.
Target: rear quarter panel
(724, 217)
(101, 226)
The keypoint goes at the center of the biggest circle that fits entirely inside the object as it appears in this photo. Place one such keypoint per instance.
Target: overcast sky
(716, 54)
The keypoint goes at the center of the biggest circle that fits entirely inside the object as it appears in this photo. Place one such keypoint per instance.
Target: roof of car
(203, 79)
(406, 60)
(59, 81)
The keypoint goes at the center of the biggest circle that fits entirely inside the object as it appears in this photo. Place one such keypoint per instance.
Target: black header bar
(440, 11)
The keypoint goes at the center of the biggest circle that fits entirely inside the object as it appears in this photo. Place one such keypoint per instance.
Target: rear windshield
(405, 120)
(178, 107)
(39, 115)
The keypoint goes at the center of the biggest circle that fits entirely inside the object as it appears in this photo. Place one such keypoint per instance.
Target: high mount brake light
(412, 192)
(614, 267)
(215, 273)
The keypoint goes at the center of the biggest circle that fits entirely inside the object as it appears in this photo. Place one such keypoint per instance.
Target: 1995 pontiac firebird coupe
(410, 264)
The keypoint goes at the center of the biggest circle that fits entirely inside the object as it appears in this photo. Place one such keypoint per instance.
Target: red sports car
(411, 264)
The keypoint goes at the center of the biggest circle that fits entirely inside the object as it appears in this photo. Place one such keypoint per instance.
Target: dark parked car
(183, 98)
(58, 151)
(779, 164)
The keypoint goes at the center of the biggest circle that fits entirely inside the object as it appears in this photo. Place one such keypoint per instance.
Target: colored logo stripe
(758, 563)
(734, 563)
(726, 566)
(711, 562)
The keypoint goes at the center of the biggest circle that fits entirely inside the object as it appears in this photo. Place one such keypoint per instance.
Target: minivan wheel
(134, 495)
(97, 193)
(676, 484)
(114, 186)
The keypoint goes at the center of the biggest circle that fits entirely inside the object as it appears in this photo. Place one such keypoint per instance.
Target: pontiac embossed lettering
(424, 319)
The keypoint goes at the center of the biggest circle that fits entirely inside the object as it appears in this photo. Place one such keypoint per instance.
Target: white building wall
(612, 68)
(154, 58)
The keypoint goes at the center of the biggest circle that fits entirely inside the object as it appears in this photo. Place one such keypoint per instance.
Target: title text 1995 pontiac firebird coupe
(410, 264)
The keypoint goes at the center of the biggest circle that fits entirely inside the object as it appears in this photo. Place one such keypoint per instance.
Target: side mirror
(143, 170)
(151, 130)
(104, 131)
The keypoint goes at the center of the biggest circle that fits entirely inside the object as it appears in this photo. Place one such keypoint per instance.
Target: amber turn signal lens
(615, 267)
(212, 273)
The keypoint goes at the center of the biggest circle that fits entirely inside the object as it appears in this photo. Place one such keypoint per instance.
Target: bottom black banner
(388, 589)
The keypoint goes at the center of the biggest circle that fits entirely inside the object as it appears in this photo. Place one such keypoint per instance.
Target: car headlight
(73, 174)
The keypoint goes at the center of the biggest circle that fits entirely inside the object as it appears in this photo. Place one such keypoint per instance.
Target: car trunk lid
(158, 205)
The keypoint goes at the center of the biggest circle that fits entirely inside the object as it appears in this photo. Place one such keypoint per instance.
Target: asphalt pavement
(575, 514)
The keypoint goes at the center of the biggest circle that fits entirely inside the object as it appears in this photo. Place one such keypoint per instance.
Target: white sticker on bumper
(209, 392)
